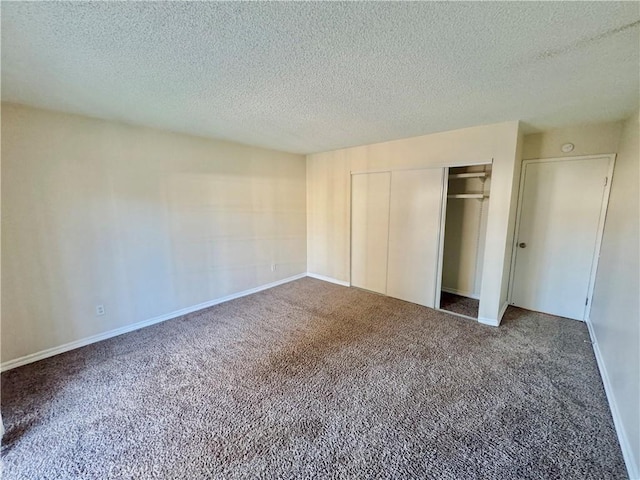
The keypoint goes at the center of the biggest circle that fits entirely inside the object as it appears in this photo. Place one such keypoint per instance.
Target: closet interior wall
(467, 210)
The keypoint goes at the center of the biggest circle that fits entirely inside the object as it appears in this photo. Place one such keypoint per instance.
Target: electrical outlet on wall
(274, 267)
(99, 310)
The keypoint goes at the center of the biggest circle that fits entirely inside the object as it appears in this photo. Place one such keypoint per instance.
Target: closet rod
(468, 195)
(468, 175)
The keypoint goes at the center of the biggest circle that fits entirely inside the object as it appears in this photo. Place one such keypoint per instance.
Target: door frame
(601, 221)
(443, 221)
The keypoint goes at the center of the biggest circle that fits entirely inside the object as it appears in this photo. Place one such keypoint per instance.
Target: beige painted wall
(587, 140)
(143, 221)
(615, 311)
(328, 196)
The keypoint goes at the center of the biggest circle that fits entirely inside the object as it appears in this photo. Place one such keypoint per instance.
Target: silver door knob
(522, 245)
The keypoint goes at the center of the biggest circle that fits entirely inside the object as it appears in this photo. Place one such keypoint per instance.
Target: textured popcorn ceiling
(309, 77)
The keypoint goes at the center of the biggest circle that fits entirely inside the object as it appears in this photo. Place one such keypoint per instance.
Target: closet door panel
(370, 230)
(414, 230)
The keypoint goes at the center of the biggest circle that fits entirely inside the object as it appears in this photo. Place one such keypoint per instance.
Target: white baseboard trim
(328, 279)
(461, 293)
(50, 352)
(489, 321)
(632, 467)
(495, 322)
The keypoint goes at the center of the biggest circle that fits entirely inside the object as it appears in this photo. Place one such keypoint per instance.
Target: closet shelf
(468, 175)
(468, 195)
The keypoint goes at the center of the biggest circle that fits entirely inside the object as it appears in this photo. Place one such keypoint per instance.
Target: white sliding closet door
(370, 230)
(414, 230)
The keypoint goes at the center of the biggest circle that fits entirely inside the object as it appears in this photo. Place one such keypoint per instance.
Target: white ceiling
(309, 77)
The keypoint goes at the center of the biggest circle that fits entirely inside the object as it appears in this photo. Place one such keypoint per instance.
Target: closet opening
(465, 227)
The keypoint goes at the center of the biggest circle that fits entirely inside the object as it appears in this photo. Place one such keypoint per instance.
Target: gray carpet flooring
(458, 304)
(314, 380)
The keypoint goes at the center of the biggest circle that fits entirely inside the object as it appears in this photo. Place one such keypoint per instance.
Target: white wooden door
(370, 230)
(414, 228)
(559, 229)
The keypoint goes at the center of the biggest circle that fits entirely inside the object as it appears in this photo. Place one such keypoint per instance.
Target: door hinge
(586, 302)
(606, 180)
